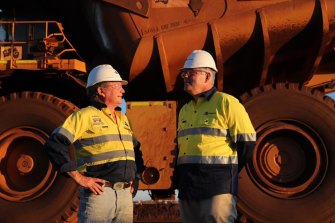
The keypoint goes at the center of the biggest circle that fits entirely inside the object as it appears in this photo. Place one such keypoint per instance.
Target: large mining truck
(276, 56)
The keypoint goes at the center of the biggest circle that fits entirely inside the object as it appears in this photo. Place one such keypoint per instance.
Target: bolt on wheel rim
(26, 172)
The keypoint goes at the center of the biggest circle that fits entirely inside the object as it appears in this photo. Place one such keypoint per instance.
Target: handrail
(11, 35)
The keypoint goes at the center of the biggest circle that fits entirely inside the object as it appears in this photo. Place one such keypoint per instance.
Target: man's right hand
(94, 184)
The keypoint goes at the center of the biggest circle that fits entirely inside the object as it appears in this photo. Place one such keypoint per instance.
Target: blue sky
(142, 195)
(332, 95)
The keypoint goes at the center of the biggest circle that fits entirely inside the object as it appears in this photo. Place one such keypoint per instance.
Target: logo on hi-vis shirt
(96, 120)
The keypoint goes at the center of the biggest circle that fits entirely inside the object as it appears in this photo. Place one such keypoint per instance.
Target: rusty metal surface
(154, 125)
(325, 82)
(151, 211)
(274, 47)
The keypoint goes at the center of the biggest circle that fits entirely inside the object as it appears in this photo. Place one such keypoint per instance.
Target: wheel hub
(26, 172)
(289, 161)
(281, 162)
(25, 164)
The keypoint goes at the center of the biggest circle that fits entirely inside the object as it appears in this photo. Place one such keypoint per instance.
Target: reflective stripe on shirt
(64, 132)
(247, 137)
(105, 156)
(202, 131)
(103, 139)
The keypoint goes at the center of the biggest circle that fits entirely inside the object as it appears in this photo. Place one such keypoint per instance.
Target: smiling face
(196, 81)
(111, 94)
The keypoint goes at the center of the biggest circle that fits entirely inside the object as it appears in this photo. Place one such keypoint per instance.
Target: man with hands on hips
(105, 166)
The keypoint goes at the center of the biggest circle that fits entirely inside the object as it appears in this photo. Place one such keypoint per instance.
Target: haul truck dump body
(276, 56)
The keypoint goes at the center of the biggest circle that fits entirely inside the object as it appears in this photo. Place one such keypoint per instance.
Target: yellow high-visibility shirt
(208, 130)
(97, 138)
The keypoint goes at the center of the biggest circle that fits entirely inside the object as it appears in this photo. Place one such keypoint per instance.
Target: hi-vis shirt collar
(208, 94)
(100, 106)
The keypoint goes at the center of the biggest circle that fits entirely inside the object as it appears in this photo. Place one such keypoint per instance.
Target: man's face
(194, 80)
(112, 93)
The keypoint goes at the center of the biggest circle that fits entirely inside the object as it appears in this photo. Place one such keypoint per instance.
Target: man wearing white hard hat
(105, 167)
(215, 140)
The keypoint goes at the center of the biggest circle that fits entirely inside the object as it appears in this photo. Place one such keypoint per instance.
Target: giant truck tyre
(30, 188)
(291, 176)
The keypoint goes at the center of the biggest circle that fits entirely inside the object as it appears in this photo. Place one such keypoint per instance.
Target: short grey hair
(212, 72)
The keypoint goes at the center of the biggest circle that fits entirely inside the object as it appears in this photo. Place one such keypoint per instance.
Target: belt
(117, 185)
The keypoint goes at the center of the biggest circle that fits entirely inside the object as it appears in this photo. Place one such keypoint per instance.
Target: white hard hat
(104, 72)
(200, 58)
